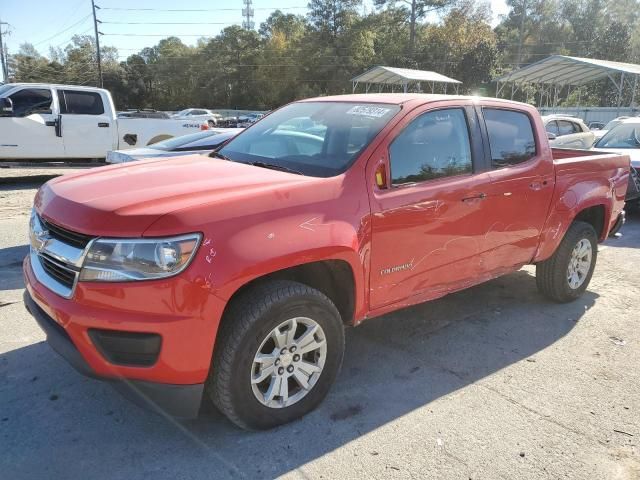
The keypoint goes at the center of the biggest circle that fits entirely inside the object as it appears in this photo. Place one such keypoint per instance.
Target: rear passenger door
(87, 128)
(522, 180)
(428, 225)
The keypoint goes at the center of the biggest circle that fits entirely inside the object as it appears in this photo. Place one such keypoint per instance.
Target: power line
(62, 31)
(158, 34)
(167, 23)
(196, 9)
(74, 35)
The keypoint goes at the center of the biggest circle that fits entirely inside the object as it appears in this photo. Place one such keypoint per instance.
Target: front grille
(56, 270)
(78, 240)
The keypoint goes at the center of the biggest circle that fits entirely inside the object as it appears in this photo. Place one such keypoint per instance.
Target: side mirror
(551, 136)
(6, 106)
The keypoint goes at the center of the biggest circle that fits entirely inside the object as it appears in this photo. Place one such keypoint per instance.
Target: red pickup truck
(232, 276)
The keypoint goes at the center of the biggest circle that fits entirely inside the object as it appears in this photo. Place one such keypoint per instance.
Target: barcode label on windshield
(367, 111)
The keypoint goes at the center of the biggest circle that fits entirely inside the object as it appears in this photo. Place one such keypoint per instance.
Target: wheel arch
(594, 213)
(333, 277)
(159, 138)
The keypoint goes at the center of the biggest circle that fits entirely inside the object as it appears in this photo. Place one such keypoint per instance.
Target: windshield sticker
(376, 112)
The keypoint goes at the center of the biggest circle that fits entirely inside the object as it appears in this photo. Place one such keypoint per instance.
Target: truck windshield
(319, 139)
(625, 135)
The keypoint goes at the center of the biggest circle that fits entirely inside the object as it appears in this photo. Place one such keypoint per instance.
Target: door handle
(538, 185)
(50, 123)
(103, 125)
(479, 196)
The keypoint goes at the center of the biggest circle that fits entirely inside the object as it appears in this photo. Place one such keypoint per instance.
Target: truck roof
(48, 85)
(402, 98)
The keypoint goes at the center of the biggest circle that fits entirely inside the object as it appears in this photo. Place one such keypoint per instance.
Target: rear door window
(31, 100)
(81, 103)
(565, 127)
(511, 138)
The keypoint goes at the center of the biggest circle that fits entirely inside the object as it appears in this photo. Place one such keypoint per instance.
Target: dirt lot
(494, 382)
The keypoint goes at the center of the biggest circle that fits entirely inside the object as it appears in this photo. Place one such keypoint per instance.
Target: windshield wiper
(273, 166)
(217, 154)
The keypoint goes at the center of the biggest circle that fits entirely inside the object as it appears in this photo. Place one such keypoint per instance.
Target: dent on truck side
(579, 191)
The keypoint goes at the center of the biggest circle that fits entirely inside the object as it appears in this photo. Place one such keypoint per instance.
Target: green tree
(414, 10)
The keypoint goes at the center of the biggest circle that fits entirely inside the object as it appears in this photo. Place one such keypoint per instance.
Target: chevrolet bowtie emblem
(40, 239)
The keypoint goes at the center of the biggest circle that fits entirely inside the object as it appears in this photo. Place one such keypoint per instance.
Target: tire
(249, 323)
(211, 124)
(552, 275)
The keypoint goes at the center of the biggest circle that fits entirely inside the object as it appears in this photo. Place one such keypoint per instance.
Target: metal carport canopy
(563, 70)
(400, 76)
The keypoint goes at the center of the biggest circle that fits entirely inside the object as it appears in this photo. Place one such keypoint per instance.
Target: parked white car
(200, 114)
(249, 119)
(201, 143)
(568, 132)
(613, 123)
(45, 121)
(624, 138)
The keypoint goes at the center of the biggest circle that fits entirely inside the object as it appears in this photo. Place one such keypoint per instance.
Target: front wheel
(566, 274)
(278, 352)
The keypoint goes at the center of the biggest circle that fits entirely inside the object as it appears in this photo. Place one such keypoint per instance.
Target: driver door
(30, 131)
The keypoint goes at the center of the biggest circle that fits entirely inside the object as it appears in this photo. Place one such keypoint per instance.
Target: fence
(592, 114)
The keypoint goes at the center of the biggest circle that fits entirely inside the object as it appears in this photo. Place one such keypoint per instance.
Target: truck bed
(591, 173)
(573, 161)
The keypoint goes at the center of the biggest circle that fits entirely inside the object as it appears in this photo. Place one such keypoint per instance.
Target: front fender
(269, 247)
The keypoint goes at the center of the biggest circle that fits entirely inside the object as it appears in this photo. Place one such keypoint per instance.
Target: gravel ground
(494, 382)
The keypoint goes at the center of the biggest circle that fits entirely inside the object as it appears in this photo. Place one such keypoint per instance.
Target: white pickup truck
(45, 121)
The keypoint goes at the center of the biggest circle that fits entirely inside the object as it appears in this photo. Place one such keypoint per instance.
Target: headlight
(118, 157)
(121, 260)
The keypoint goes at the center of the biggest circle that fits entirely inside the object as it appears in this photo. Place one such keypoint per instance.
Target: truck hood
(124, 200)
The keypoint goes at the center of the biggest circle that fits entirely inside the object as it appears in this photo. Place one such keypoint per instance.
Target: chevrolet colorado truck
(45, 121)
(232, 277)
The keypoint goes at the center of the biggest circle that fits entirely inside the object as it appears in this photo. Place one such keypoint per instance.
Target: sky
(45, 23)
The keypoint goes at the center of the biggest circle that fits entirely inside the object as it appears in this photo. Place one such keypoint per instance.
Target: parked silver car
(202, 143)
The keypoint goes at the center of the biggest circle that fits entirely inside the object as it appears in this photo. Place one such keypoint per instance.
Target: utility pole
(3, 59)
(95, 26)
(521, 33)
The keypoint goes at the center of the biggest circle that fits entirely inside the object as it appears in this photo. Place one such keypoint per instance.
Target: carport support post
(404, 86)
(633, 92)
(620, 93)
(541, 92)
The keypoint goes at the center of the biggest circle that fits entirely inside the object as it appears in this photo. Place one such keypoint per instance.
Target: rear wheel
(278, 352)
(567, 273)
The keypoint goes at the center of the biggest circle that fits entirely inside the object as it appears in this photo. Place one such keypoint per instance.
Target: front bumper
(184, 314)
(182, 401)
